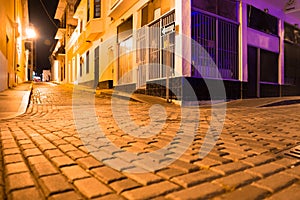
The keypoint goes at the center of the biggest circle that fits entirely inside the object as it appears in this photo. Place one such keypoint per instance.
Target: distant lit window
(97, 8)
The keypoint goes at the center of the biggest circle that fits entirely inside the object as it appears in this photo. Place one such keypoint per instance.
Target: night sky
(46, 30)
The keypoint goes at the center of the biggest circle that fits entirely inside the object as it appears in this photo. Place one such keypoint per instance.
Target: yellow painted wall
(107, 41)
(6, 42)
(13, 18)
(110, 35)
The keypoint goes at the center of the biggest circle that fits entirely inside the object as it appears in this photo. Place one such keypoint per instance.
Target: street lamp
(30, 33)
(30, 37)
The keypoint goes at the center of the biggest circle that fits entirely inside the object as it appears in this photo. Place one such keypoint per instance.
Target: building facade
(64, 13)
(13, 57)
(252, 47)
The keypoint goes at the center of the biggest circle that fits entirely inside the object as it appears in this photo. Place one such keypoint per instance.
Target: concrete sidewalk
(148, 99)
(14, 101)
(237, 103)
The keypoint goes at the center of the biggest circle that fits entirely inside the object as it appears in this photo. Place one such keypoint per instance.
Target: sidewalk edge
(25, 101)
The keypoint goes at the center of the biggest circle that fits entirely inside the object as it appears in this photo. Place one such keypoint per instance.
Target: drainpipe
(14, 42)
(167, 84)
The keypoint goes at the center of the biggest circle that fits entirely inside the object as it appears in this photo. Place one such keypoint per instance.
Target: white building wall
(183, 38)
(87, 77)
(46, 75)
(55, 75)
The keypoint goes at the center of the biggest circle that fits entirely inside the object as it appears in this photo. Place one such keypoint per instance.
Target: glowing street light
(30, 33)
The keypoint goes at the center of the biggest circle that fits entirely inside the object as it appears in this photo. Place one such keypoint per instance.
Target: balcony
(119, 7)
(71, 21)
(94, 29)
(70, 13)
(60, 10)
(76, 4)
(73, 38)
(60, 34)
(82, 43)
(80, 9)
(59, 50)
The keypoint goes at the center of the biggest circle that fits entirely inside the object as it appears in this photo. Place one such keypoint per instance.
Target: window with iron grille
(97, 8)
(218, 55)
(141, 55)
(162, 47)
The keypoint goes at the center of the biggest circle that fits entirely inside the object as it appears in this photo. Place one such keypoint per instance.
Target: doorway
(253, 79)
(96, 71)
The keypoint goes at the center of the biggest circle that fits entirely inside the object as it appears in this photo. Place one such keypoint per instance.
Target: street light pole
(31, 36)
(31, 68)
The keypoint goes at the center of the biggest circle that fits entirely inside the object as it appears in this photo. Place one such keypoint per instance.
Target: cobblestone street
(54, 151)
